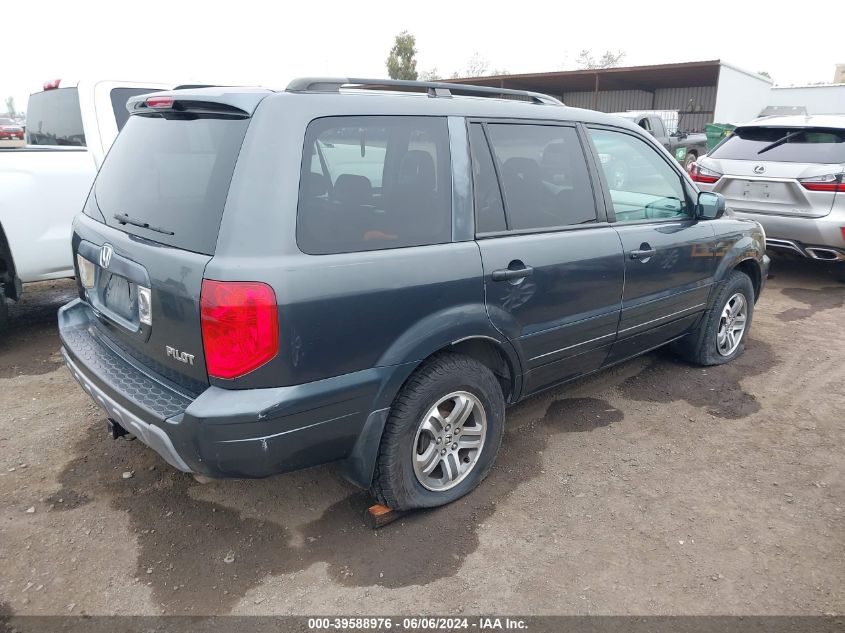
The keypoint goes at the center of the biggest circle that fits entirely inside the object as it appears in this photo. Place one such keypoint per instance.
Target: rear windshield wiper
(781, 141)
(125, 219)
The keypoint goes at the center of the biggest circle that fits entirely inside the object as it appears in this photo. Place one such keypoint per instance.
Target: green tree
(608, 59)
(10, 106)
(430, 75)
(402, 63)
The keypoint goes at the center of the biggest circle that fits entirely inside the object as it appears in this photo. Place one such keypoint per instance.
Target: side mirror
(710, 206)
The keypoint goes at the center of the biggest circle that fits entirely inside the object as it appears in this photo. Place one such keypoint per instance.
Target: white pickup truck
(69, 129)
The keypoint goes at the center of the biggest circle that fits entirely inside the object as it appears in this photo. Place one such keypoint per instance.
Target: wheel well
(489, 353)
(7, 267)
(750, 268)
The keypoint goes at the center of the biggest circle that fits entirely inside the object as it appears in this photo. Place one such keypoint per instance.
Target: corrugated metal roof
(650, 78)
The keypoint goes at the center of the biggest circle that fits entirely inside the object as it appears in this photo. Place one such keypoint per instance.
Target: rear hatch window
(53, 117)
(784, 144)
(166, 178)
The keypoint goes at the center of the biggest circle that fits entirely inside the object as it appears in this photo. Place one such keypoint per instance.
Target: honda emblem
(105, 255)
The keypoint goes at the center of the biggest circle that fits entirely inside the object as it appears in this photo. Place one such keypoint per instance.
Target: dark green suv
(273, 280)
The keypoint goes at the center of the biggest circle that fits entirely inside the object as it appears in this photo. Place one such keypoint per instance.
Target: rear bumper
(230, 433)
(802, 235)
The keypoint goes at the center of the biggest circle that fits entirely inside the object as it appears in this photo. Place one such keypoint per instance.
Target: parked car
(686, 147)
(787, 174)
(43, 185)
(10, 130)
(273, 280)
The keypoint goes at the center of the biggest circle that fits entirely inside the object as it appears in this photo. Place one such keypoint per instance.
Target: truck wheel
(4, 310)
(721, 333)
(442, 435)
(689, 160)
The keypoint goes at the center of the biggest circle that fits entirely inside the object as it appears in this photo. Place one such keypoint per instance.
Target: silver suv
(786, 172)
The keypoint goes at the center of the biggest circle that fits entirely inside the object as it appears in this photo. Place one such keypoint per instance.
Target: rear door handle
(643, 253)
(505, 274)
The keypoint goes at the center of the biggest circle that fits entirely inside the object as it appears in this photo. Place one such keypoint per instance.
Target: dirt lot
(653, 488)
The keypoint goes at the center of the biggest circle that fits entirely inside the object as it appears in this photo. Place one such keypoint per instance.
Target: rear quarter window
(374, 182)
(783, 144)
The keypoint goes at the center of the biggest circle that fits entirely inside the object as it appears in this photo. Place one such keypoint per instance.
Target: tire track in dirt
(715, 389)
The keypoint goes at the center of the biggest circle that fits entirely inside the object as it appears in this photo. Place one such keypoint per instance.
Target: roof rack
(432, 88)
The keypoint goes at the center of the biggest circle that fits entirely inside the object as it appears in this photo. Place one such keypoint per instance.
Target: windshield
(173, 176)
(53, 118)
(784, 144)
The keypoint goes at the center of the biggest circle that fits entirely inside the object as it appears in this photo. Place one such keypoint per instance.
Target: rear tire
(4, 310)
(711, 343)
(442, 435)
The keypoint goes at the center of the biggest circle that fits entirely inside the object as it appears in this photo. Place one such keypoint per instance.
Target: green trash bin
(715, 132)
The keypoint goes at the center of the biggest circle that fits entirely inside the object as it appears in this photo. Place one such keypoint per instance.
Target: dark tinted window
(642, 185)
(544, 175)
(172, 174)
(53, 118)
(797, 145)
(489, 211)
(119, 97)
(371, 183)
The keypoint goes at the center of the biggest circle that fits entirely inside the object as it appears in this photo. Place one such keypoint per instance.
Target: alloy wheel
(449, 441)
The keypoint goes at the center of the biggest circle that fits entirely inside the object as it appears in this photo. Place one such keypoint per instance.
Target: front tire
(442, 435)
(721, 334)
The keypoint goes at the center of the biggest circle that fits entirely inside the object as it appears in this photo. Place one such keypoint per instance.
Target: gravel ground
(653, 488)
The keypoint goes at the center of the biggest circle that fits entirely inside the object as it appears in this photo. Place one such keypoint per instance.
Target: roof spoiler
(432, 88)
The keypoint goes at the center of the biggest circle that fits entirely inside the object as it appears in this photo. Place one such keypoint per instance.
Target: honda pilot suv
(348, 271)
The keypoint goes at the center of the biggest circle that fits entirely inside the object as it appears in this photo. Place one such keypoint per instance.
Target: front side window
(642, 185)
(543, 175)
(374, 182)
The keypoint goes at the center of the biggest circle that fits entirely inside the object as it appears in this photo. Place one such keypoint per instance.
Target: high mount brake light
(159, 102)
(240, 326)
(52, 84)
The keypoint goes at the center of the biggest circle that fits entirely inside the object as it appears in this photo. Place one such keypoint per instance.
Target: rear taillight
(240, 326)
(159, 102)
(86, 272)
(702, 174)
(828, 182)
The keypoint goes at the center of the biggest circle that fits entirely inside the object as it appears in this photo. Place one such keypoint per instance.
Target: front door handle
(506, 274)
(643, 253)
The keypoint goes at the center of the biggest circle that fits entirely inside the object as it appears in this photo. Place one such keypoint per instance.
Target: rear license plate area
(119, 296)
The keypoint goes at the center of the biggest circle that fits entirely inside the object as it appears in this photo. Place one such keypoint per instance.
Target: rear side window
(783, 144)
(171, 174)
(543, 174)
(119, 97)
(374, 182)
(489, 211)
(53, 117)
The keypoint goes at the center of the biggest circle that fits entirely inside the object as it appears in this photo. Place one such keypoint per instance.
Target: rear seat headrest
(352, 189)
